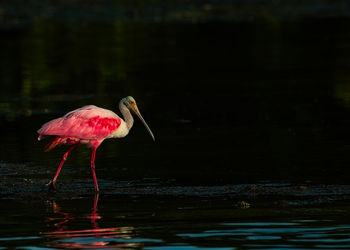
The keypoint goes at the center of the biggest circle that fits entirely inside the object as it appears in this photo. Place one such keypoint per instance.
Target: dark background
(235, 91)
(248, 100)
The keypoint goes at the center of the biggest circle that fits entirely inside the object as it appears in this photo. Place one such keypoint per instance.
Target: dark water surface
(249, 107)
(171, 223)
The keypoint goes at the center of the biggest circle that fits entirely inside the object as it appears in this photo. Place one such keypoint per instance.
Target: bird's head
(130, 103)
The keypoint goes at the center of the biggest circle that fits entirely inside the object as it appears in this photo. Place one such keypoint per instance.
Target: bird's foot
(51, 185)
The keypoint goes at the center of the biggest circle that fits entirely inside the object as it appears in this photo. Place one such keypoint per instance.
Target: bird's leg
(94, 215)
(52, 184)
(93, 169)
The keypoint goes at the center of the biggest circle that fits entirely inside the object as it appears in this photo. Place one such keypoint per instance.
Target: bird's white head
(130, 103)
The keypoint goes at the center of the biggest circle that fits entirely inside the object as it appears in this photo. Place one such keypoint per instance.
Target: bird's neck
(129, 120)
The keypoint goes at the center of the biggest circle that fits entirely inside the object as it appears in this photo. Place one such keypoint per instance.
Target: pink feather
(86, 123)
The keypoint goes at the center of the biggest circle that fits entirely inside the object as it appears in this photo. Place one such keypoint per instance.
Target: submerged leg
(94, 214)
(93, 169)
(52, 184)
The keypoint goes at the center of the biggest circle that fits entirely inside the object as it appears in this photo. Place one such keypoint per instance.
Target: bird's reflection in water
(94, 237)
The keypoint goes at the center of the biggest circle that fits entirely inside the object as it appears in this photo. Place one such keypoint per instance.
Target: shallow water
(249, 105)
(168, 222)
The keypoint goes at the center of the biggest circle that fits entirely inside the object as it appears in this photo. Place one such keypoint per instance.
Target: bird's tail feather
(53, 143)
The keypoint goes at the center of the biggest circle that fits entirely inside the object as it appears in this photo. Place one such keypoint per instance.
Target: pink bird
(89, 125)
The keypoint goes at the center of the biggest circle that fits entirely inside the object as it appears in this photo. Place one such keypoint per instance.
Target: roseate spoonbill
(89, 125)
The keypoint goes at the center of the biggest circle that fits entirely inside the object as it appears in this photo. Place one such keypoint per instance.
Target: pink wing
(89, 123)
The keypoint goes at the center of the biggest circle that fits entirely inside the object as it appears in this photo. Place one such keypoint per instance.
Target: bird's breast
(120, 132)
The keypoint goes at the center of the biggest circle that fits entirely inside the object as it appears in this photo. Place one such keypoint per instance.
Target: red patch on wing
(105, 123)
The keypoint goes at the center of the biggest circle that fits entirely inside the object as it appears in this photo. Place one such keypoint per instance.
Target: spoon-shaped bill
(137, 112)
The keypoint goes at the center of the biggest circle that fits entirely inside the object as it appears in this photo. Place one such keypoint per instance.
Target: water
(168, 222)
(249, 103)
